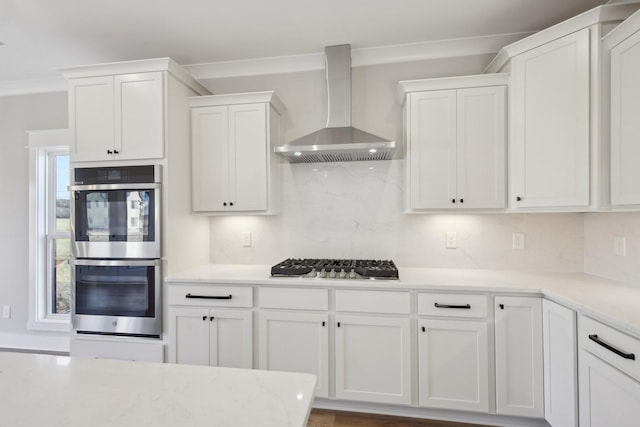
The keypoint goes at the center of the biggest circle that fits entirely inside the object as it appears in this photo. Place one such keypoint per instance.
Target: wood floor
(327, 418)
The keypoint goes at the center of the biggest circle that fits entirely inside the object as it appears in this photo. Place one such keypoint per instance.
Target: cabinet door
(481, 150)
(560, 365)
(210, 150)
(373, 361)
(519, 376)
(139, 116)
(432, 150)
(248, 158)
(625, 126)
(607, 396)
(453, 363)
(189, 332)
(296, 342)
(551, 124)
(231, 339)
(91, 111)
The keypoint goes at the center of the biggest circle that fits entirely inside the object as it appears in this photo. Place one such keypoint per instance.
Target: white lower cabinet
(203, 336)
(519, 362)
(296, 342)
(560, 365)
(373, 360)
(453, 364)
(609, 376)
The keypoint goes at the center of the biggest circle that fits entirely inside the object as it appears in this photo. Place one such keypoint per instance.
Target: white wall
(600, 230)
(17, 115)
(355, 209)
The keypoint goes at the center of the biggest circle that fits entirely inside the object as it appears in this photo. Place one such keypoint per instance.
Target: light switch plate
(620, 245)
(6, 312)
(451, 240)
(517, 240)
(246, 239)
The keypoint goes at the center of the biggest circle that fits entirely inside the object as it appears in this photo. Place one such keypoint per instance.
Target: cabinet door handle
(116, 152)
(109, 152)
(338, 324)
(424, 329)
(208, 296)
(501, 306)
(204, 317)
(230, 203)
(211, 319)
(438, 305)
(224, 204)
(323, 323)
(461, 200)
(453, 200)
(518, 199)
(609, 347)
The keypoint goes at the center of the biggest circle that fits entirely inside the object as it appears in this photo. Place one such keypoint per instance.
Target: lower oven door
(116, 297)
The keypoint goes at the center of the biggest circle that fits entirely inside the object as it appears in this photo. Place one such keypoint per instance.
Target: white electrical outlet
(6, 312)
(620, 245)
(517, 240)
(451, 240)
(246, 239)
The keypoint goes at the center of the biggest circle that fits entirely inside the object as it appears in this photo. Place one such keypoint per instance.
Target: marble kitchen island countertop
(612, 302)
(39, 390)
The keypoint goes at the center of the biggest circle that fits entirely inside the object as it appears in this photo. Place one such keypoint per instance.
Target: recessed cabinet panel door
(248, 185)
(607, 396)
(230, 342)
(91, 113)
(519, 369)
(560, 365)
(432, 147)
(210, 150)
(625, 122)
(296, 342)
(373, 361)
(190, 336)
(551, 124)
(453, 362)
(481, 147)
(139, 118)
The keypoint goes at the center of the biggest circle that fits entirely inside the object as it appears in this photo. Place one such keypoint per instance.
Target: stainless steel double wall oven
(116, 247)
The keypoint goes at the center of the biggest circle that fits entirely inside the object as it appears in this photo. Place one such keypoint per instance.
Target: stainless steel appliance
(337, 269)
(115, 212)
(116, 297)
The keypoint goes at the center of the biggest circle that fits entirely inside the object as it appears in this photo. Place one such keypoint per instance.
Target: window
(49, 232)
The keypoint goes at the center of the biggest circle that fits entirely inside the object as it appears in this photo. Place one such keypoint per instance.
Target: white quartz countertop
(615, 303)
(39, 390)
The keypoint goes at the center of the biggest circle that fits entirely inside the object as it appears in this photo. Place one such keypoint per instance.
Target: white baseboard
(52, 342)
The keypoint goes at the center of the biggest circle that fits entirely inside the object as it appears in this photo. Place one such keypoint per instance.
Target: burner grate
(336, 268)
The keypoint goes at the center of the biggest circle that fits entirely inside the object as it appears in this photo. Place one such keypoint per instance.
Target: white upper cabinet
(234, 169)
(558, 141)
(119, 111)
(624, 48)
(550, 145)
(456, 136)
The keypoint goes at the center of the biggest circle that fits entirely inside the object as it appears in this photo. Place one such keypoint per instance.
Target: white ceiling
(40, 36)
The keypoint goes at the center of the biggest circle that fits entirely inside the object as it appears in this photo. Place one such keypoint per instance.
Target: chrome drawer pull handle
(207, 296)
(609, 347)
(438, 305)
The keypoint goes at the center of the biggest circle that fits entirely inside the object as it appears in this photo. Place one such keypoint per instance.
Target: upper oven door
(116, 221)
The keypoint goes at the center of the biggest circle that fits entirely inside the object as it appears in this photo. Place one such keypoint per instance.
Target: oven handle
(208, 296)
(98, 187)
(115, 263)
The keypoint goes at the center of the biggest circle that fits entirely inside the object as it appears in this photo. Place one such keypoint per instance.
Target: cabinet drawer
(610, 345)
(210, 296)
(452, 305)
(373, 302)
(294, 299)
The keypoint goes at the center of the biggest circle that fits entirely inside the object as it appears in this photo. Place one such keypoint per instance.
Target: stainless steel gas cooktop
(336, 269)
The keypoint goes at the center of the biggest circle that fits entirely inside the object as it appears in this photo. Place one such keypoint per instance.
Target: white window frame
(42, 146)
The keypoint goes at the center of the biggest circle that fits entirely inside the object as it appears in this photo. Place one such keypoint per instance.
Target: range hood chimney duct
(338, 141)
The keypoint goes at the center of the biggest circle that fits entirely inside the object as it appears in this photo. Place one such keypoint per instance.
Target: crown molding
(359, 57)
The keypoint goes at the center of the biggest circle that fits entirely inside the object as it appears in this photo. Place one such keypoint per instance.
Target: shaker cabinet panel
(625, 126)
(551, 124)
(519, 362)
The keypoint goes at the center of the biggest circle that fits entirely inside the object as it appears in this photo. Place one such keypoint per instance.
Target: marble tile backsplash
(356, 210)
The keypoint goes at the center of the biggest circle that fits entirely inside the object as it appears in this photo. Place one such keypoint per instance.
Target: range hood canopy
(338, 141)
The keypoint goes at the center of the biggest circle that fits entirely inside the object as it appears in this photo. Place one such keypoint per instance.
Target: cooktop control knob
(323, 273)
(313, 273)
(332, 274)
(352, 274)
(342, 274)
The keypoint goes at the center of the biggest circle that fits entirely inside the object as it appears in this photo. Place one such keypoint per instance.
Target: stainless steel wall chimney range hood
(338, 141)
